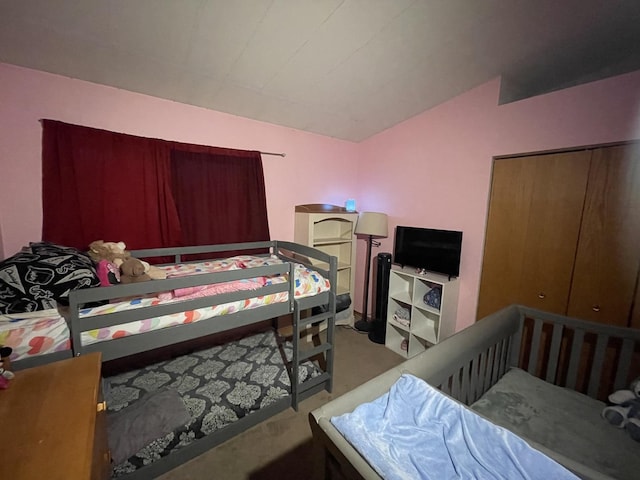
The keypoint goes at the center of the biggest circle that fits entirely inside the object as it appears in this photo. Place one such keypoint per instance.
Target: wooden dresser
(53, 422)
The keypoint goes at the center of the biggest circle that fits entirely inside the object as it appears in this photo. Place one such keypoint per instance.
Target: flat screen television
(433, 250)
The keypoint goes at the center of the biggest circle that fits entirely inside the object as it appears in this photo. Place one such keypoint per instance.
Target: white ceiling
(342, 68)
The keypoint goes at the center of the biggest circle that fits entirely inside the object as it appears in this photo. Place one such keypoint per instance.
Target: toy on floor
(625, 411)
(5, 373)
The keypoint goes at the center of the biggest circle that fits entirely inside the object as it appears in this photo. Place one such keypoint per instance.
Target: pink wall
(316, 169)
(434, 170)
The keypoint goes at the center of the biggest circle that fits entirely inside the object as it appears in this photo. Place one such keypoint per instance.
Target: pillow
(42, 275)
(152, 417)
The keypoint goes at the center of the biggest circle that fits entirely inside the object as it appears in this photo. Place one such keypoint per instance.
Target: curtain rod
(276, 154)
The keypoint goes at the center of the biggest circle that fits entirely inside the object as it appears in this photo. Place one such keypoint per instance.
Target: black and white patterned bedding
(218, 385)
(41, 276)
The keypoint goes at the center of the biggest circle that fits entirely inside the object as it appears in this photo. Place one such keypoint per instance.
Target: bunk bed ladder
(322, 352)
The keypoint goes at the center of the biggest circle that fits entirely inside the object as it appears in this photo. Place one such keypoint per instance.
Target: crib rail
(589, 357)
(486, 356)
(592, 358)
(476, 376)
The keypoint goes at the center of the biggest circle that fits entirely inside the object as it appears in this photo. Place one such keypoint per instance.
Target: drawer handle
(541, 295)
(102, 406)
(596, 308)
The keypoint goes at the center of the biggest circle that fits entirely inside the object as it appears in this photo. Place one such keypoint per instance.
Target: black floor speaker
(379, 327)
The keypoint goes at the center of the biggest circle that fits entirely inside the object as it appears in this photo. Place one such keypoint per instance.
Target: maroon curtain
(104, 185)
(219, 194)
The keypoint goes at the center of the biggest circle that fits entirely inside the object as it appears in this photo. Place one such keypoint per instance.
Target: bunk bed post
(295, 341)
(331, 321)
(74, 321)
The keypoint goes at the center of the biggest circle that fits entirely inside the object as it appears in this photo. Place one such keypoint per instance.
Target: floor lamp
(370, 225)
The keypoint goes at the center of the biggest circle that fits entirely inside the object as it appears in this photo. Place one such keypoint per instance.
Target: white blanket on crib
(416, 432)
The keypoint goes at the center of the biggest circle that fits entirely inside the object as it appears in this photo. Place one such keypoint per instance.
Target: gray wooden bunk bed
(522, 369)
(293, 256)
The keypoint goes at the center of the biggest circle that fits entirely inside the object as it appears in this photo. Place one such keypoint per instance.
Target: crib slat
(624, 363)
(485, 367)
(464, 391)
(473, 379)
(480, 376)
(576, 350)
(494, 363)
(505, 346)
(554, 353)
(535, 346)
(455, 385)
(445, 386)
(497, 361)
(596, 369)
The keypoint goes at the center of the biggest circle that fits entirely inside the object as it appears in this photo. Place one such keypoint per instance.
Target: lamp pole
(370, 225)
(362, 324)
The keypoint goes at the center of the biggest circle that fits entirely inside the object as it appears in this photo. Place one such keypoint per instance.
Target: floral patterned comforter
(34, 333)
(307, 282)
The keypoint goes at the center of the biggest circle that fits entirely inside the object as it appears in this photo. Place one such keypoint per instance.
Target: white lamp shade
(372, 223)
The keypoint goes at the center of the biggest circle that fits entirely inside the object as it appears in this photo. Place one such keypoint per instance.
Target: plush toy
(5, 365)
(108, 273)
(155, 273)
(625, 411)
(116, 254)
(113, 252)
(133, 270)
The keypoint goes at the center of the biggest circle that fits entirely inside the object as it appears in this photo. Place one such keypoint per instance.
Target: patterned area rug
(218, 385)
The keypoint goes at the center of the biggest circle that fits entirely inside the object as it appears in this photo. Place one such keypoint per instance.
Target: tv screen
(433, 250)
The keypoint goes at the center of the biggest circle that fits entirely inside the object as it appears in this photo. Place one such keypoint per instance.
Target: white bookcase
(331, 229)
(428, 325)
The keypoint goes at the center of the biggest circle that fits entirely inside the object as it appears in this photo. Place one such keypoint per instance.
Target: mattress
(218, 386)
(307, 283)
(562, 421)
(35, 333)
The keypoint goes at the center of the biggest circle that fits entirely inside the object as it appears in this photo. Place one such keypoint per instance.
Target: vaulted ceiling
(342, 68)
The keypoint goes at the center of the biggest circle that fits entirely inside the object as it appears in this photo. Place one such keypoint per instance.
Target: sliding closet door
(532, 231)
(505, 237)
(608, 256)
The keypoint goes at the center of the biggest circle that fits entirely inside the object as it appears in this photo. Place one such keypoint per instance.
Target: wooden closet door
(532, 231)
(608, 256)
(511, 187)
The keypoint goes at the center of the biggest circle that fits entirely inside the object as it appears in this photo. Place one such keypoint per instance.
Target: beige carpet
(281, 447)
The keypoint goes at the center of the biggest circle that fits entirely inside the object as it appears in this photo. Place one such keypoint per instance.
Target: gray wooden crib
(543, 376)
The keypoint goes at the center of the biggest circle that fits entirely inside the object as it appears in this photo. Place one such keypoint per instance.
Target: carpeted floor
(281, 447)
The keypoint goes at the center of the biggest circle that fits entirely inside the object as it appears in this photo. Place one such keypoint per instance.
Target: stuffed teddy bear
(5, 364)
(625, 411)
(113, 252)
(155, 273)
(133, 270)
